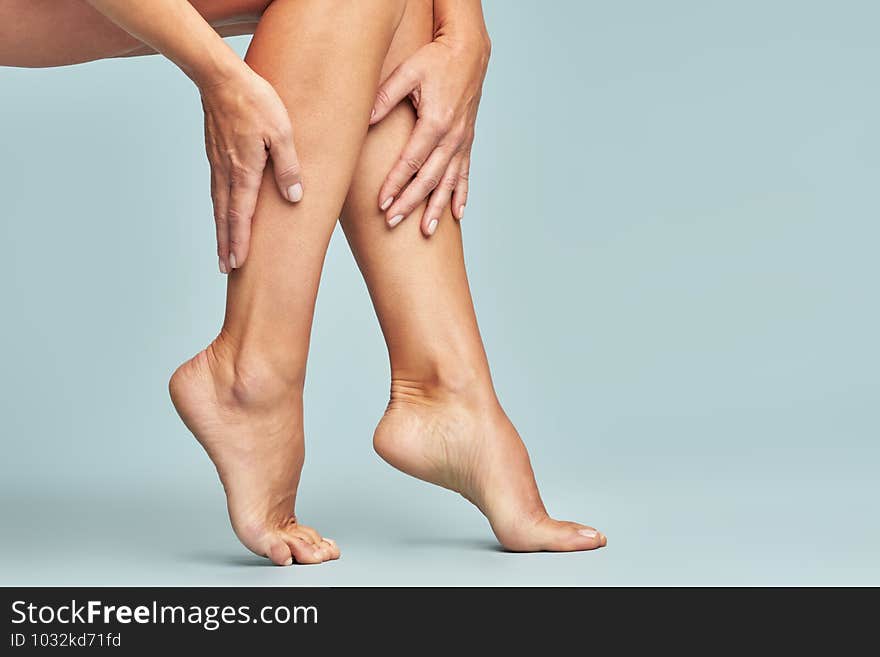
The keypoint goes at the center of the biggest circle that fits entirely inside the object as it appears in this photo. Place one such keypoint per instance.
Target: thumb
(285, 163)
(397, 87)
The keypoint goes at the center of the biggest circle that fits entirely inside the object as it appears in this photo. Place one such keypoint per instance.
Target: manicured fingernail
(396, 219)
(432, 226)
(589, 533)
(460, 211)
(386, 203)
(295, 193)
(289, 562)
(222, 264)
(232, 263)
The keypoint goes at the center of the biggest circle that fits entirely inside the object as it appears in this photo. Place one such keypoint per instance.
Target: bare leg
(242, 396)
(38, 33)
(443, 423)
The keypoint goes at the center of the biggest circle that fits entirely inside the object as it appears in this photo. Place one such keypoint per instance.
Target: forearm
(175, 29)
(461, 20)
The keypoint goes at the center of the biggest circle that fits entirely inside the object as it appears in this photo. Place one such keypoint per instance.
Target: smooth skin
(242, 396)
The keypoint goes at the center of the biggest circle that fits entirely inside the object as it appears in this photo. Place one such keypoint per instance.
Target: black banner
(129, 620)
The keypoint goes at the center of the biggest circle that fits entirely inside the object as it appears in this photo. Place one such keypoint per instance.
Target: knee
(255, 8)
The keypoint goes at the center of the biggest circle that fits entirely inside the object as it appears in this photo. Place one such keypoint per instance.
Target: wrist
(461, 24)
(467, 44)
(465, 39)
(217, 68)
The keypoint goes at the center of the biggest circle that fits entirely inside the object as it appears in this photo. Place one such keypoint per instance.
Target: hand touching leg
(444, 423)
(242, 396)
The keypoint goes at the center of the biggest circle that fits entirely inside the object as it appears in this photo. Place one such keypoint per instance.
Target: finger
(459, 196)
(422, 142)
(397, 87)
(441, 197)
(427, 179)
(220, 198)
(242, 201)
(285, 163)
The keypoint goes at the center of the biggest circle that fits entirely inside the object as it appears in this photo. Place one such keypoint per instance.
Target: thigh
(38, 33)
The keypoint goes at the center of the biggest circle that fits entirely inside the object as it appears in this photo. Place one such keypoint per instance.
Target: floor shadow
(440, 542)
(237, 560)
(226, 559)
(461, 542)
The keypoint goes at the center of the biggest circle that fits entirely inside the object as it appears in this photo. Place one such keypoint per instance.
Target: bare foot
(252, 431)
(468, 445)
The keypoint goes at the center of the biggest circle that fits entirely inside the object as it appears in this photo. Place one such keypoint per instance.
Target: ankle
(446, 382)
(253, 377)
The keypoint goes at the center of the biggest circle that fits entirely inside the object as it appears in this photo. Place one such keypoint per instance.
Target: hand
(245, 124)
(444, 80)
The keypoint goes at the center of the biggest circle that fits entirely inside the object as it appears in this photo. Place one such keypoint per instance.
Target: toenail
(589, 533)
(289, 562)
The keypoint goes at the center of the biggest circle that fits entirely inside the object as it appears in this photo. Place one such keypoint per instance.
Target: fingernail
(373, 114)
(289, 561)
(386, 203)
(295, 193)
(589, 533)
(432, 226)
(222, 264)
(396, 219)
(232, 263)
(461, 211)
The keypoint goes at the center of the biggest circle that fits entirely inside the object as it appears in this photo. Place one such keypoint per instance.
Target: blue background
(672, 240)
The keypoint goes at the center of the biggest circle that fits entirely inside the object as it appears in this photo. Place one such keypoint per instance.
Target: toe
(308, 533)
(299, 532)
(279, 552)
(558, 536)
(331, 547)
(549, 535)
(572, 536)
(303, 551)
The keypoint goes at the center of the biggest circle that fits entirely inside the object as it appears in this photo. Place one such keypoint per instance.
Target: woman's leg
(444, 423)
(40, 33)
(242, 396)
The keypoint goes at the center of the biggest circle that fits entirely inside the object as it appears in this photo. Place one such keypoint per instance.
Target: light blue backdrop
(672, 240)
